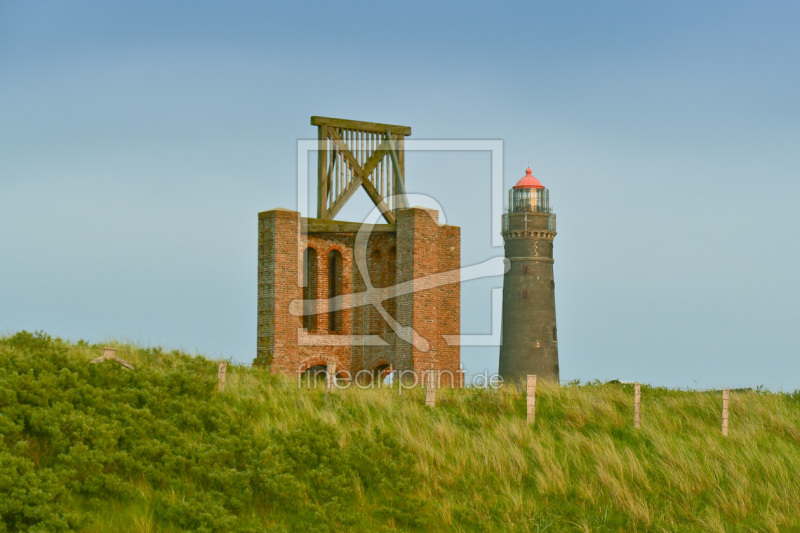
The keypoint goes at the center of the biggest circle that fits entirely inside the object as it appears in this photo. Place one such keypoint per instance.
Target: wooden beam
(399, 179)
(373, 193)
(316, 225)
(375, 127)
(330, 176)
(337, 206)
(375, 158)
(322, 175)
(352, 187)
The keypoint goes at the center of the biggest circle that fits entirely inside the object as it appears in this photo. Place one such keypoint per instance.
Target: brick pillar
(419, 253)
(279, 282)
(449, 307)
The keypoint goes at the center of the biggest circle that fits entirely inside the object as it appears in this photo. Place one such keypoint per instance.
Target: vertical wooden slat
(338, 181)
(342, 169)
(348, 176)
(392, 178)
(322, 168)
(398, 160)
(637, 400)
(222, 370)
(725, 400)
(401, 157)
(334, 175)
(337, 173)
(331, 176)
(349, 143)
(346, 173)
(531, 399)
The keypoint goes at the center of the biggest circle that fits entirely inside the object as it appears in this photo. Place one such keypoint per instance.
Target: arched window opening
(334, 289)
(314, 376)
(383, 374)
(376, 255)
(310, 289)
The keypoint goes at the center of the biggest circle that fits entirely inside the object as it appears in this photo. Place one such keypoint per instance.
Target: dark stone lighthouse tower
(529, 306)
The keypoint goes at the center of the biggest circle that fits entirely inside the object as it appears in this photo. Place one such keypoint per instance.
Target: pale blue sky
(139, 142)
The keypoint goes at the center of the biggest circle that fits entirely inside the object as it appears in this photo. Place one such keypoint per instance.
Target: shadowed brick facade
(298, 256)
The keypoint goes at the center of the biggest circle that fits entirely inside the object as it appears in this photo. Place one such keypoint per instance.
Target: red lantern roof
(528, 182)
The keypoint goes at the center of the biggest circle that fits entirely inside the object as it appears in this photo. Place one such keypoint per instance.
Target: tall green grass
(98, 448)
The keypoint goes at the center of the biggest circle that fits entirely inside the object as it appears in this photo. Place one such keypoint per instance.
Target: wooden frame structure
(355, 154)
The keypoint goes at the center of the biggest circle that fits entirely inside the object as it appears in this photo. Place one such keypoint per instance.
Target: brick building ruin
(369, 298)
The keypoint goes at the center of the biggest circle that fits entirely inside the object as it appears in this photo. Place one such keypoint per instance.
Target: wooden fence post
(430, 390)
(726, 394)
(331, 377)
(221, 371)
(531, 399)
(637, 401)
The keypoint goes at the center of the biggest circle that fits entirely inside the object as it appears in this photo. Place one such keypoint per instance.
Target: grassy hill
(99, 448)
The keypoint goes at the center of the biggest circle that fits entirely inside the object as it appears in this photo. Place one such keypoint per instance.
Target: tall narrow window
(310, 289)
(334, 289)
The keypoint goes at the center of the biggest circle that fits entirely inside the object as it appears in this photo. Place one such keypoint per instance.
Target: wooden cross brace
(389, 146)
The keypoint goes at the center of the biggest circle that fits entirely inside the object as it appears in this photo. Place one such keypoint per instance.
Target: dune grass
(95, 447)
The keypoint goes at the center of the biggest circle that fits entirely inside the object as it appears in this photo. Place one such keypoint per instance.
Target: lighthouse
(530, 339)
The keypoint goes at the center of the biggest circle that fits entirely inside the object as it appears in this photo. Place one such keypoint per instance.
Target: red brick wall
(449, 355)
(278, 285)
(418, 248)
